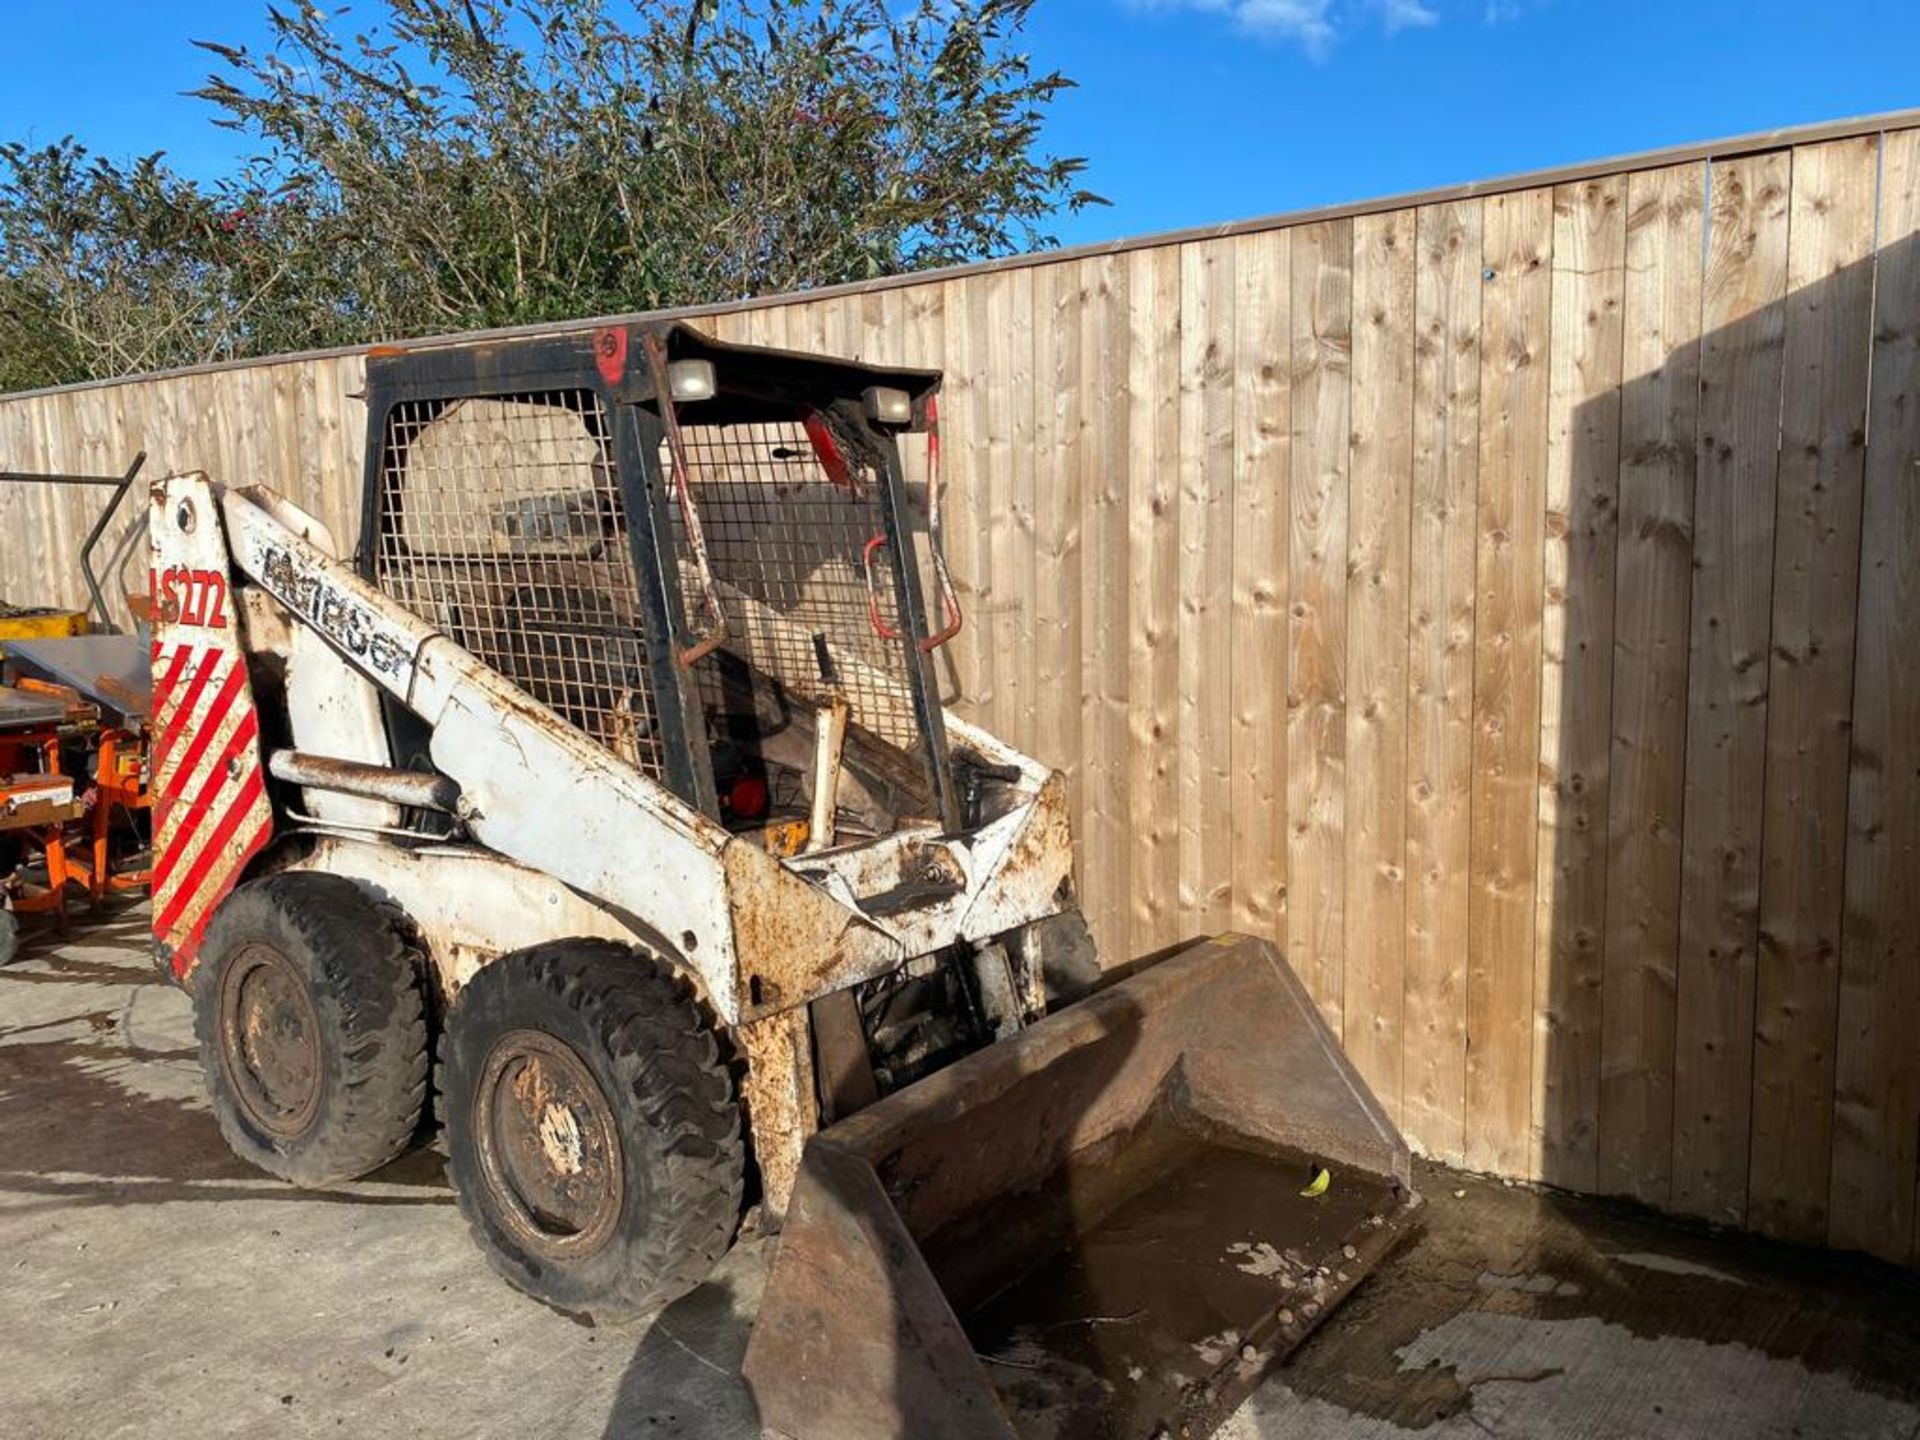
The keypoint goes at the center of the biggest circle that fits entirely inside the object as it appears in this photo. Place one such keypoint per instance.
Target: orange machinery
(73, 783)
(73, 738)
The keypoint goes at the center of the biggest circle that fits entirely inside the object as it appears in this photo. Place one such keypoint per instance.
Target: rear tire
(593, 1136)
(308, 1007)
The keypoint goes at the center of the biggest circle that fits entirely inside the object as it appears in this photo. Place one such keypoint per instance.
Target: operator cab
(692, 551)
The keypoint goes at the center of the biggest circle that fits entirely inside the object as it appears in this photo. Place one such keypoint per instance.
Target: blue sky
(1192, 111)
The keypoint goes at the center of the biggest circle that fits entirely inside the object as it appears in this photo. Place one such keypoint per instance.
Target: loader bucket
(1095, 1228)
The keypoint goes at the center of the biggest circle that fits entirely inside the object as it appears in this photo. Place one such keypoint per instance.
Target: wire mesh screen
(501, 523)
(791, 552)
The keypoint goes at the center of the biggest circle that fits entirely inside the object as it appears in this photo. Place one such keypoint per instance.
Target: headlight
(691, 380)
(888, 406)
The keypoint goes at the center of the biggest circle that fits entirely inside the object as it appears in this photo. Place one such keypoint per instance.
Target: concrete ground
(150, 1284)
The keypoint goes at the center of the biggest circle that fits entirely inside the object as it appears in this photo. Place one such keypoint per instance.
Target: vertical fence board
(1740, 357)
(1876, 1132)
(923, 327)
(307, 472)
(1060, 552)
(1659, 406)
(990, 441)
(1576, 674)
(22, 571)
(1007, 384)
(1816, 577)
(123, 558)
(1105, 841)
(1153, 543)
(961, 662)
(1052, 728)
(45, 430)
(287, 474)
(907, 331)
(1378, 545)
(1014, 557)
(340, 426)
(1213, 731)
(61, 438)
(1506, 684)
(1206, 584)
(1322, 320)
(1262, 416)
(1446, 467)
(882, 328)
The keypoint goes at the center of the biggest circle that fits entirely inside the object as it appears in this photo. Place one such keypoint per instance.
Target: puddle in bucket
(1178, 1268)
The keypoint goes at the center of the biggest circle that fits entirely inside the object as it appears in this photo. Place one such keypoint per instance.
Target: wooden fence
(1506, 599)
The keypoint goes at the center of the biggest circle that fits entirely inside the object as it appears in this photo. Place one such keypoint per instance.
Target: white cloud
(1304, 20)
(1399, 15)
(1314, 25)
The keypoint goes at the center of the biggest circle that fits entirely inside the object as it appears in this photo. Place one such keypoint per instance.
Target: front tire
(312, 1028)
(593, 1135)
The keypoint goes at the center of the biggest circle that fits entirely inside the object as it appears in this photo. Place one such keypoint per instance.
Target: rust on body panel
(792, 941)
(1035, 876)
(777, 1095)
(415, 789)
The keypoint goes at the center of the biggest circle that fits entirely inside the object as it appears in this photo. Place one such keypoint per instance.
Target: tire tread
(370, 979)
(661, 1047)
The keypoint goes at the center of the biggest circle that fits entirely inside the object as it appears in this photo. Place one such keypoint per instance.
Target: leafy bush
(469, 163)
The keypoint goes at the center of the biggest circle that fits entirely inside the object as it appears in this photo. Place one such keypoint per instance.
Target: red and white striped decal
(210, 806)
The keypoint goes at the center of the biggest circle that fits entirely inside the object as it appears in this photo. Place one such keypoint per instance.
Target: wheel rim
(548, 1146)
(270, 1041)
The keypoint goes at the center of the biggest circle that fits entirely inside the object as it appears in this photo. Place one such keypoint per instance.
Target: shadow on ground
(684, 1377)
(255, 1308)
(101, 1100)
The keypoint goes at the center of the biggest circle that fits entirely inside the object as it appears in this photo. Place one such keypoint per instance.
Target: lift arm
(537, 790)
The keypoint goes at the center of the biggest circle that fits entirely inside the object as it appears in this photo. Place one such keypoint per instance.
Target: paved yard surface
(150, 1284)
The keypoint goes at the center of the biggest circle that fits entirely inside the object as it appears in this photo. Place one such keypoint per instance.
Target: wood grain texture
(1322, 321)
(1876, 1118)
(1053, 626)
(1659, 409)
(47, 428)
(340, 427)
(26, 573)
(1816, 578)
(1153, 545)
(1440, 601)
(1206, 585)
(1105, 817)
(1576, 674)
(1262, 417)
(961, 661)
(1011, 523)
(1743, 326)
(991, 322)
(1378, 546)
(1515, 326)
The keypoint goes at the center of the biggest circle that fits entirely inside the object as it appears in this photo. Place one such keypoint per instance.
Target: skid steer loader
(613, 763)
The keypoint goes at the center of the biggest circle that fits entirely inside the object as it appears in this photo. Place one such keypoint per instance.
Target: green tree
(109, 269)
(34, 349)
(466, 163)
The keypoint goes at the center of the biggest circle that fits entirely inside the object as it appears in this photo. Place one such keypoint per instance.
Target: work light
(887, 405)
(691, 380)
